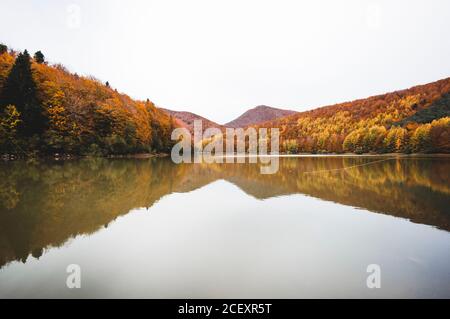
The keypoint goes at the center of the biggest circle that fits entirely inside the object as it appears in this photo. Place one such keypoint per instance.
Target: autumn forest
(416, 120)
(47, 110)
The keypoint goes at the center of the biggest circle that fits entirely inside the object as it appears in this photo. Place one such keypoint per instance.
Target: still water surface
(150, 228)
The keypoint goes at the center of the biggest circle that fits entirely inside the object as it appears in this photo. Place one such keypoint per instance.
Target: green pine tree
(3, 48)
(39, 57)
(20, 90)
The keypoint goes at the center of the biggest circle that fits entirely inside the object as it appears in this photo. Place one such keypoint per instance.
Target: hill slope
(72, 114)
(186, 119)
(258, 115)
(375, 124)
(439, 109)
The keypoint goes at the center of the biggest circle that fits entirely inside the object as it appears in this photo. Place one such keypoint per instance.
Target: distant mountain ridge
(414, 120)
(186, 119)
(257, 115)
(254, 116)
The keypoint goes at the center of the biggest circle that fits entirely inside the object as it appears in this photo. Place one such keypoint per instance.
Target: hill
(258, 115)
(412, 120)
(186, 119)
(45, 109)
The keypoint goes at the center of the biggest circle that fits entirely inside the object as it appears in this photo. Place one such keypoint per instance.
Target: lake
(148, 228)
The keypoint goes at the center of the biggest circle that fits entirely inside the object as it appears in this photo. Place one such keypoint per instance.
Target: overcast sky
(219, 58)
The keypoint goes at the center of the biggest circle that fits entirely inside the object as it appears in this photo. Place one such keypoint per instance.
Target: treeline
(44, 109)
(413, 120)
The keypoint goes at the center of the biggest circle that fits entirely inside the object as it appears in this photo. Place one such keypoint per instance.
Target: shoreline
(7, 158)
(69, 157)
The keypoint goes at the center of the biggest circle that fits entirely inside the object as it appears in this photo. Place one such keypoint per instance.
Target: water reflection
(45, 205)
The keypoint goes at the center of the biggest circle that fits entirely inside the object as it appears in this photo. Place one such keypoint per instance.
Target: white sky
(219, 58)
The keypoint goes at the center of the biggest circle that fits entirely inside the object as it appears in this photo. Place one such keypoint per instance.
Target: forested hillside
(45, 109)
(413, 120)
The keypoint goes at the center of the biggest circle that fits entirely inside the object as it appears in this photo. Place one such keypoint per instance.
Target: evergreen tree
(3, 48)
(20, 90)
(39, 57)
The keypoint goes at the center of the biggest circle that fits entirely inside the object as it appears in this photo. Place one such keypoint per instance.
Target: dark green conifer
(3, 48)
(20, 90)
(39, 57)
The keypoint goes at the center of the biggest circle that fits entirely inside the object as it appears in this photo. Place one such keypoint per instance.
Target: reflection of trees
(44, 205)
(60, 201)
(416, 189)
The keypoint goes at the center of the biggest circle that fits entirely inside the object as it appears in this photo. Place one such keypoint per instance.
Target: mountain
(258, 115)
(412, 120)
(186, 119)
(253, 116)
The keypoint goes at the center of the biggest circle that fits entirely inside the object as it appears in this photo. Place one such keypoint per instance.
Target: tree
(395, 140)
(352, 142)
(20, 90)
(39, 57)
(420, 140)
(9, 121)
(440, 135)
(373, 138)
(3, 48)
(57, 134)
(290, 146)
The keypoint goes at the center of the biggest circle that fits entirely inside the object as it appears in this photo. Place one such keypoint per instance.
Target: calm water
(150, 228)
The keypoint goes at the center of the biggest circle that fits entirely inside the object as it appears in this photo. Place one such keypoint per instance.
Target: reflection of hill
(415, 189)
(45, 205)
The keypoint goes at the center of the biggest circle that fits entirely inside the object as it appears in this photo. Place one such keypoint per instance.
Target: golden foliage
(85, 115)
(370, 125)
